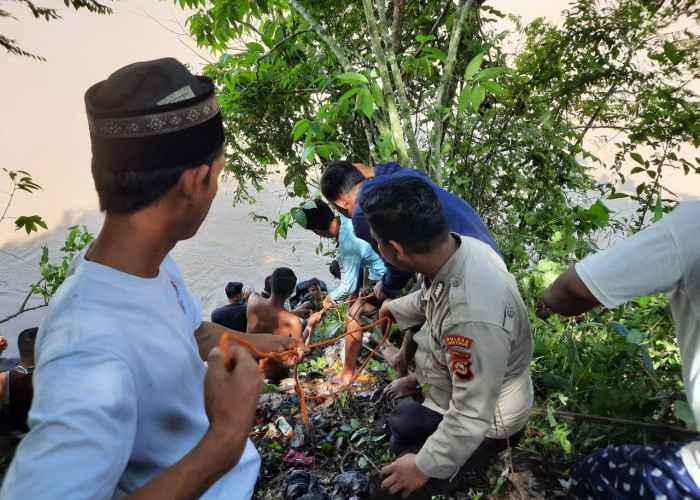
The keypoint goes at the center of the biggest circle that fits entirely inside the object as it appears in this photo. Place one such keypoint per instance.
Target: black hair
(334, 268)
(339, 178)
(234, 288)
(406, 210)
(26, 341)
(314, 282)
(266, 284)
(319, 217)
(129, 191)
(283, 281)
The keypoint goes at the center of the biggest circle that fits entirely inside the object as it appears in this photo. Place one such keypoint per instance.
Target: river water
(230, 246)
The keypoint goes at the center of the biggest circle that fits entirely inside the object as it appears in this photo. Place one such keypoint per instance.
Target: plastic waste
(302, 485)
(296, 457)
(298, 439)
(351, 484)
(284, 426)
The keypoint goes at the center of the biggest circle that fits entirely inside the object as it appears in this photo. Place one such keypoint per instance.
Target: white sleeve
(645, 263)
(83, 425)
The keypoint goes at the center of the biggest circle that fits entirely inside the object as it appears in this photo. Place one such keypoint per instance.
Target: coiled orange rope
(291, 354)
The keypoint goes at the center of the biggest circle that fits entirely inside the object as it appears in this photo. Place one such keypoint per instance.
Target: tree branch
(404, 107)
(274, 47)
(397, 24)
(387, 90)
(24, 304)
(434, 153)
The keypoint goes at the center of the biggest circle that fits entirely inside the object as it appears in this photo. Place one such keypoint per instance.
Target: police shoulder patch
(458, 341)
(457, 345)
(462, 365)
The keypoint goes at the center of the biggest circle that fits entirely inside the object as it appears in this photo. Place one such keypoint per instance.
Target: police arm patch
(457, 346)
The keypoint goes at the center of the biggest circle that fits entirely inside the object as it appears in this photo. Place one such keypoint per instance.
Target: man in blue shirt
(344, 184)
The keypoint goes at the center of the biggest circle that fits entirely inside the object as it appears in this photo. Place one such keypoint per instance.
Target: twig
(595, 419)
(510, 451)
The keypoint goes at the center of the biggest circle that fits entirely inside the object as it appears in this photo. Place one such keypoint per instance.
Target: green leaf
(634, 337)
(424, 38)
(638, 158)
(353, 78)
(493, 87)
(682, 411)
(347, 95)
(672, 53)
(618, 328)
(300, 188)
(30, 223)
(434, 53)
(648, 363)
(299, 128)
(300, 217)
(377, 95)
(488, 73)
(255, 47)
(308, 151)
(316, 127)
(473, 66)
(364, 102)
(464, 99)
(478, 95)
(323, 150)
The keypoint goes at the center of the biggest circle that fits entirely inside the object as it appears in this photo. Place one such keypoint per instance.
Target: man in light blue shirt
(353, 254)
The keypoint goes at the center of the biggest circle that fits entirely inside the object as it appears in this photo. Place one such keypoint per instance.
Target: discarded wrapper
(295, 457)
(272, 432)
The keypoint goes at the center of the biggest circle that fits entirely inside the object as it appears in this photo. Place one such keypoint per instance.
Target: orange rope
(291, 354)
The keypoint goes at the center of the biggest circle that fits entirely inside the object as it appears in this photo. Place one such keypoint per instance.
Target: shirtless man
(268, 315)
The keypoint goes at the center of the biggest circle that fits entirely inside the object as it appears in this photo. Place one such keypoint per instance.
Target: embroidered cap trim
(155, 123)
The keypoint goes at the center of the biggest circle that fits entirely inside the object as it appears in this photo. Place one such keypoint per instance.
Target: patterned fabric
(635, 471)
(155, 123)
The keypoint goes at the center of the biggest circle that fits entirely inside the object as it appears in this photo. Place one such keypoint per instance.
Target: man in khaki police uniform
(479, 345)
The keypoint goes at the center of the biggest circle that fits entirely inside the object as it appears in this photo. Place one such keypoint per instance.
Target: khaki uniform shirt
(479, 355)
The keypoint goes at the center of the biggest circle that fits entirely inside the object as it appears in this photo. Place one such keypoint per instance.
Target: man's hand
(328, 302)
(379, 294)
(403, 476)
(230, 398)
(3, 343)
(384, 310)
(267, 342)
(304, 311)
(313, 320)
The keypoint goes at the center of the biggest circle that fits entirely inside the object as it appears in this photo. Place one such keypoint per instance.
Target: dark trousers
(411, 424)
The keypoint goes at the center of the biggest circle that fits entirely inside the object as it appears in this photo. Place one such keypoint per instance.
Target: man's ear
(191, 182)
(398, 249)
(342, 203)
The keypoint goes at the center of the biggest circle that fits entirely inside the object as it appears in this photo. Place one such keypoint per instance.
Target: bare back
(265, 316)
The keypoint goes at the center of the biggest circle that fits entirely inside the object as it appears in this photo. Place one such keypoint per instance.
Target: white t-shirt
(665, 257)
(118, 390)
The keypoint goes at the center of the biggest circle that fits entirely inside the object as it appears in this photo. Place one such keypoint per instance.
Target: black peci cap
(153, 115)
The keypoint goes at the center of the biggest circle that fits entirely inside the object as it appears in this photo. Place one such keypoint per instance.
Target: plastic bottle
(284, 426)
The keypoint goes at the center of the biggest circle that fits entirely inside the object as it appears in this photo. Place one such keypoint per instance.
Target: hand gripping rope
(287, 356)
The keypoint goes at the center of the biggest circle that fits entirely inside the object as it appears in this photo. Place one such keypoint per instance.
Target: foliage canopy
(434, 86)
